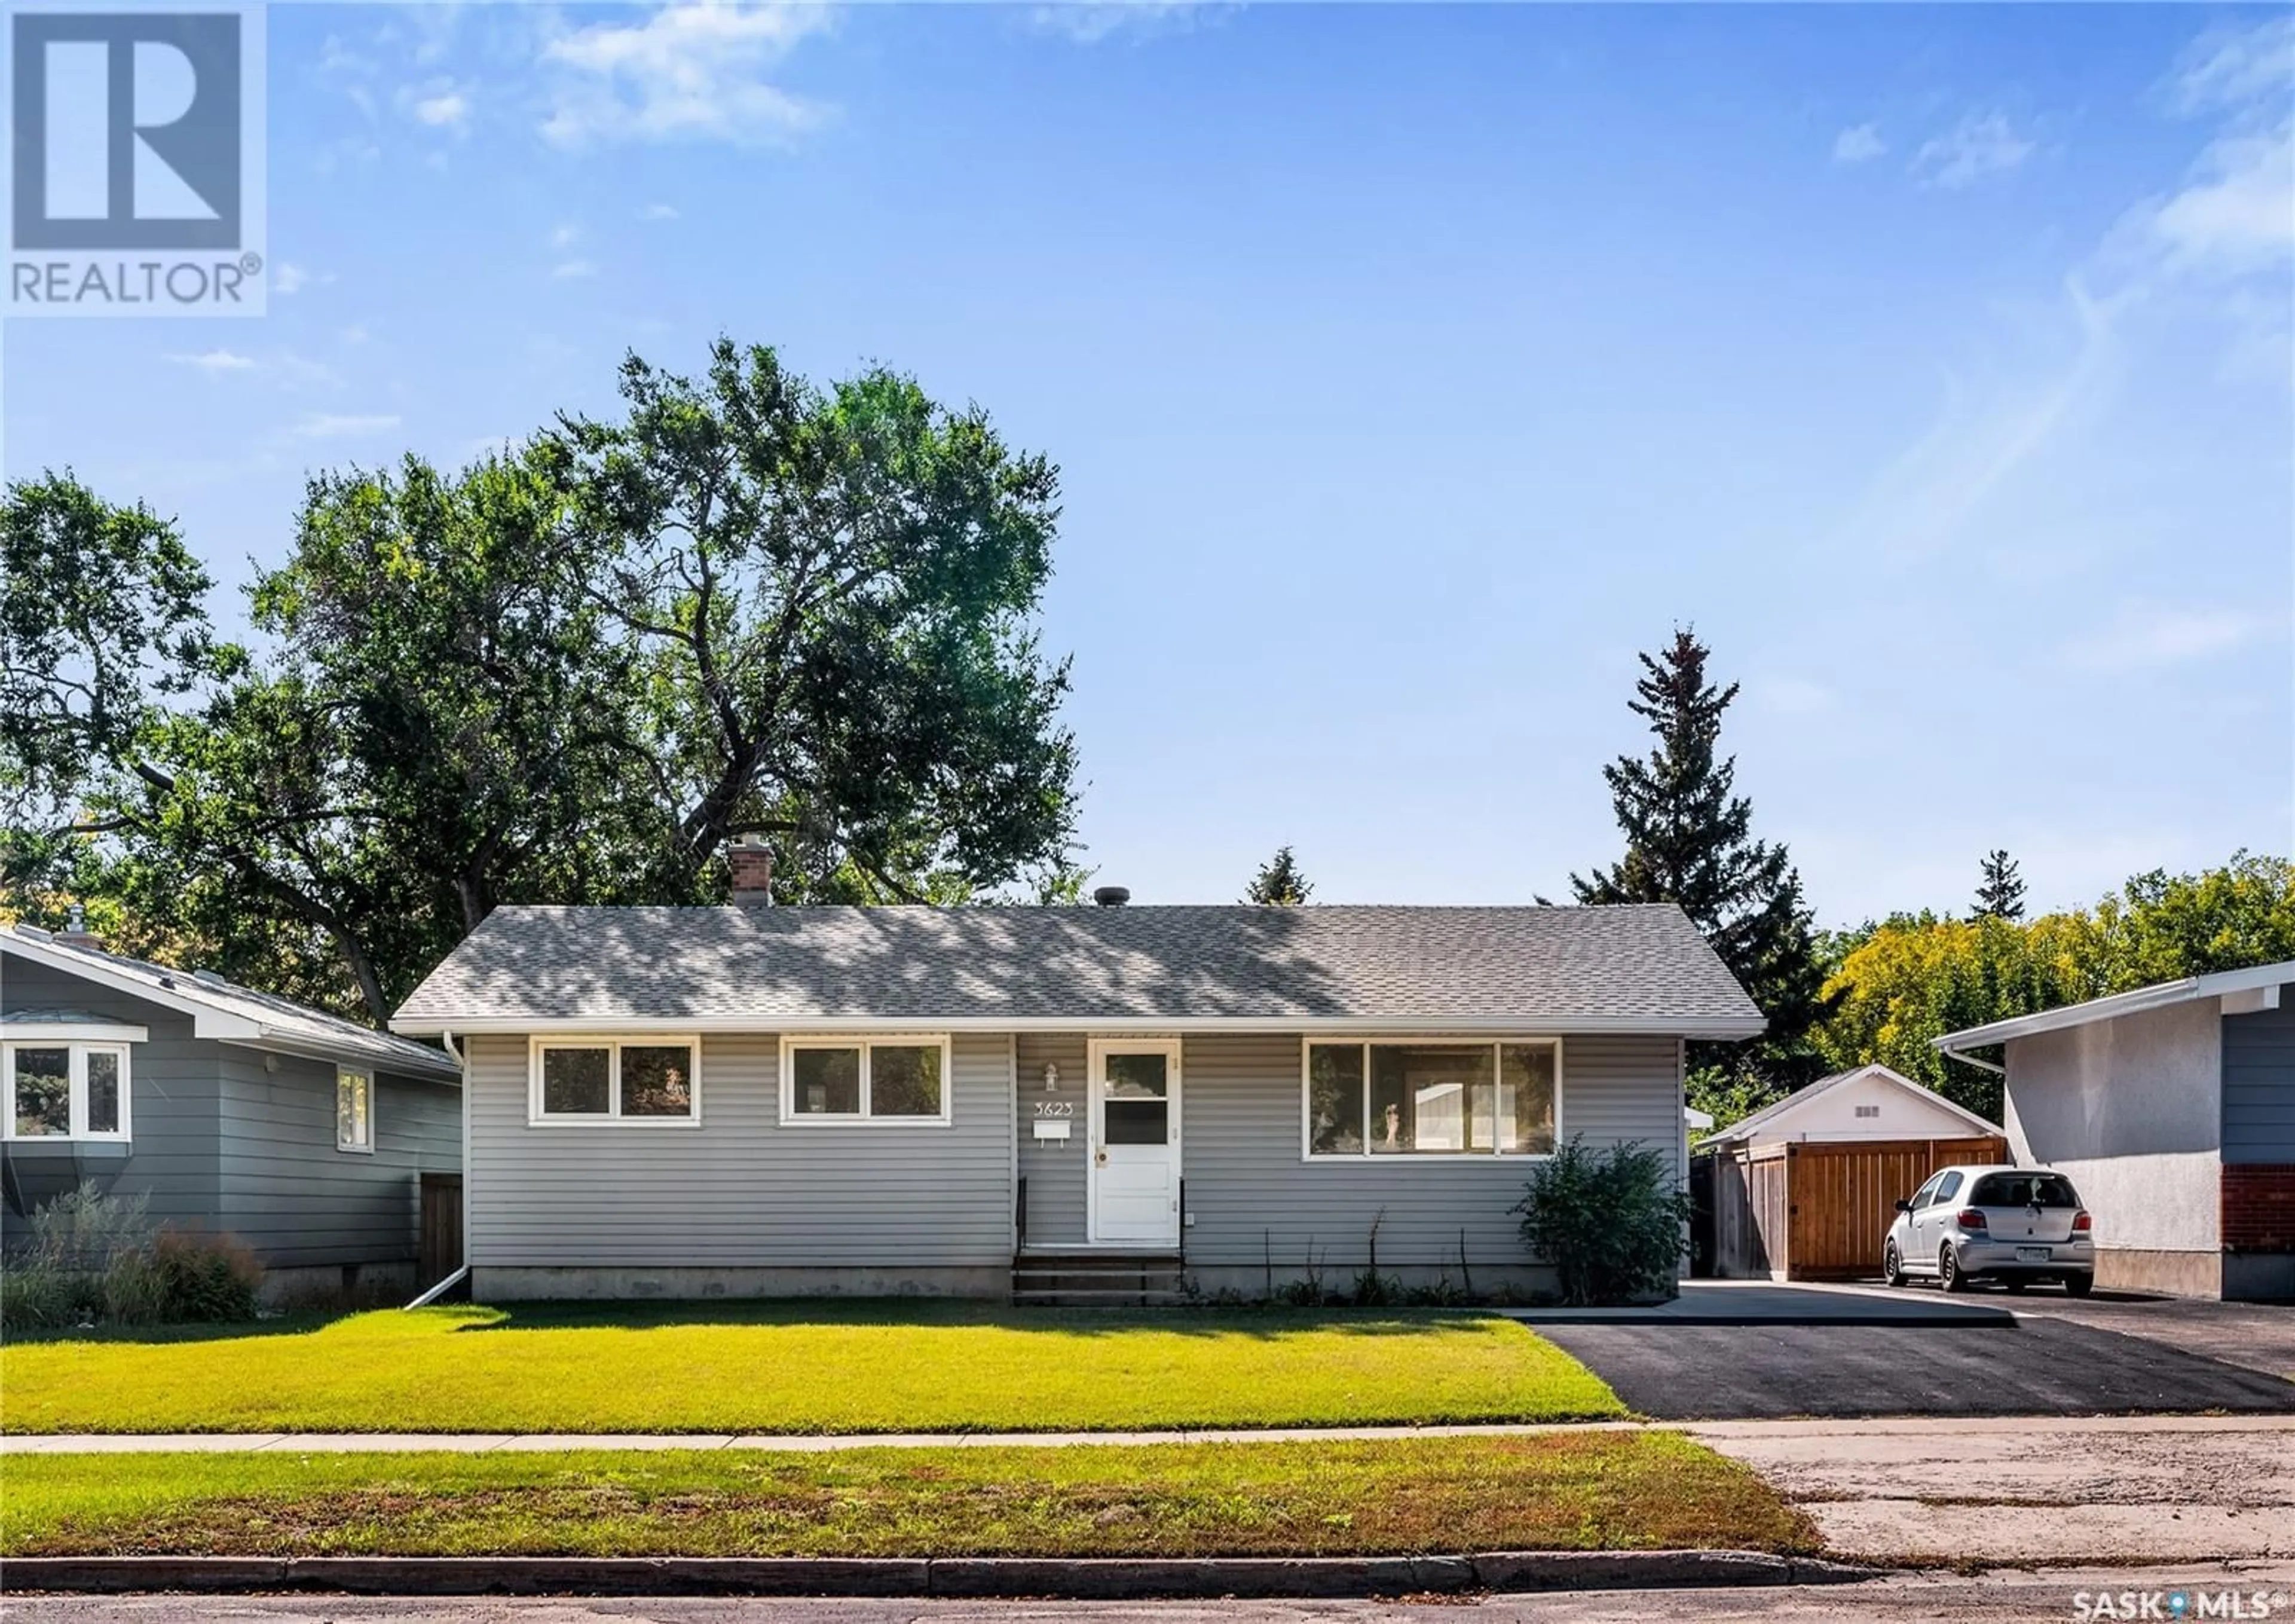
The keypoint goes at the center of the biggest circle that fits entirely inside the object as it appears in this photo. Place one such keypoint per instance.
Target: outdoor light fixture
(1051, 1078)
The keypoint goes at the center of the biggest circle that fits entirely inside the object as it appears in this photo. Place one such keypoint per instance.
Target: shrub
(1609, 1222)
(203, 1276)
(91, 1257)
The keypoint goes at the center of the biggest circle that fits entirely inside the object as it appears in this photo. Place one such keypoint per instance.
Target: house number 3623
(1055, 1108)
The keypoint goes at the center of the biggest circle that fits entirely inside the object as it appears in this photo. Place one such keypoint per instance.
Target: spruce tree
(1279, 883)
(2000, 892)
(1689, 841)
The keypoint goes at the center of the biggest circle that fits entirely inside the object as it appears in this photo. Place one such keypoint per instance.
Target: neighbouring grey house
(2173, 1109)
(226, 1110)
(1049, 1102)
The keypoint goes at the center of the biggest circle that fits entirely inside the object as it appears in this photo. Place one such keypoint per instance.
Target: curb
(1090, 1579)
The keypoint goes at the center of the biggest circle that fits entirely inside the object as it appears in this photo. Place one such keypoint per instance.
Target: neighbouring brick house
(2173, 1109)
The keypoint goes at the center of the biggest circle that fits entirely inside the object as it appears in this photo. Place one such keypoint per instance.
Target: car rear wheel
(1893, 1267)
(1948, 1270)
(2080, 1285)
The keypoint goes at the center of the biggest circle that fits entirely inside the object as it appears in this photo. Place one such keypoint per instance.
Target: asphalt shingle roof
(1566, 968)
(291, 1025)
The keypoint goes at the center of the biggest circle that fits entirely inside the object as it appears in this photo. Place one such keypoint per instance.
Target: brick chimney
(752, 862)
(76, 934)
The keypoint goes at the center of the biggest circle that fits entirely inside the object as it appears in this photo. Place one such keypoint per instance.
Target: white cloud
(442, 110)
(2237, 211)
(289, 278)
(343, 426)
(688, 72)
(572, 270)
(658, 211)
(2148, 637)
(355, 333)
(2235, 68)
(1859, 143)
(1981, 144)
(215, 362)
(565, 236)
(1089, 21)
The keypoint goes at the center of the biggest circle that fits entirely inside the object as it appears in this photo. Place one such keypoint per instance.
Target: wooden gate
(442, 1227)
(1816, 1210)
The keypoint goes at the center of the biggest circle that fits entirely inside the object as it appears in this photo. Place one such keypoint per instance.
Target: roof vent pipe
(1112, 896)
(76, 934)
(752, 862)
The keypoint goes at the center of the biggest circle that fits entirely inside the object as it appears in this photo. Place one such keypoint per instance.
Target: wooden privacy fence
(442, 1227)
(1819, 1210)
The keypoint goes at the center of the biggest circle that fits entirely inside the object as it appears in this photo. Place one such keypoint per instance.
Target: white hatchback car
(2010, 1224)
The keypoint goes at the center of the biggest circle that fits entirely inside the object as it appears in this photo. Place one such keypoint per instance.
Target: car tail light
(2082, 1223)
(1971, 1217)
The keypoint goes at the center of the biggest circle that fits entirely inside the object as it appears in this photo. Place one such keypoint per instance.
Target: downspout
(442, 1289)
(1965, 1058)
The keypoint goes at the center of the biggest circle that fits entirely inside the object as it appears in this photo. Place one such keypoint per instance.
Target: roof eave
(2115, 1005)
(1730, 1029)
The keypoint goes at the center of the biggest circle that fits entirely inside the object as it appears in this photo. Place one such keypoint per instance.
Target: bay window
(1432, 1098)
(62, 1091)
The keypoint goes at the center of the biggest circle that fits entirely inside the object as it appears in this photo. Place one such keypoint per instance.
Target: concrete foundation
(2259, 1277)
(2173, 1274)
(495, 1283)
(337, 1285)
(1522, 1282)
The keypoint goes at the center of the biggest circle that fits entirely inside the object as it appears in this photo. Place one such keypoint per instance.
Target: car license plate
(2031, 1254)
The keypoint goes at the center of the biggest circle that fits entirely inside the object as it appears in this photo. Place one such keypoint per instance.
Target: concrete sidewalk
(1721, 1434)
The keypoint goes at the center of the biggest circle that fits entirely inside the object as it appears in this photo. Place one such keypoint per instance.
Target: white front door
(1135, 1141)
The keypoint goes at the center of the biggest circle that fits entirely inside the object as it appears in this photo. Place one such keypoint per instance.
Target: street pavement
(1998, 1598)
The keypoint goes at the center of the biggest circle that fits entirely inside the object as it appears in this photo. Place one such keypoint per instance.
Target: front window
(607, 1079)
(864, 1079)
(354, 1110)
(65, 1090)
(1432, 1098)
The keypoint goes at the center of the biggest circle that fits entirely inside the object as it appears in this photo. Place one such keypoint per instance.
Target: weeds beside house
(92, 1259)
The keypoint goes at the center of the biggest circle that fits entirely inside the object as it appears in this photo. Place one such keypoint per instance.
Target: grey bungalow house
(760, 1100)
(225, 1109)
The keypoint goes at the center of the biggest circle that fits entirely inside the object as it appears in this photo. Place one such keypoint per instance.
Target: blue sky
(1409, 367)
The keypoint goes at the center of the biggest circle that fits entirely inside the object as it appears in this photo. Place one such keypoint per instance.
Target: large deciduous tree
(1689, 841)
(569, 674)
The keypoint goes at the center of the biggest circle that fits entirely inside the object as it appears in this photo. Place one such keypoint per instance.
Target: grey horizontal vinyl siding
(297, 1200)
(1055, 1168)
(1253, 1195)
(2258, 1083)
(740, 1191)
(174, 1079)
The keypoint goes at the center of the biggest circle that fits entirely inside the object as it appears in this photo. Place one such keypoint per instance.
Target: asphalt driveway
(2035, 1365)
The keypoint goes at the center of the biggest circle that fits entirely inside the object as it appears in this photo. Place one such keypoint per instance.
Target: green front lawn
(1566, 1491)
(795, 1368)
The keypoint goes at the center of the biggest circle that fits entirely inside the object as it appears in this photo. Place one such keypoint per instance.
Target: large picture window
(65, 1090)
(653, 1081)
(864, 1079)
(1432, 1098)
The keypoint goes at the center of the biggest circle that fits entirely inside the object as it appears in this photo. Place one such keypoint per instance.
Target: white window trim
(612, 1116)
(77, 1067)
(790, 1117)
(1355, 1158)
(355, 1147)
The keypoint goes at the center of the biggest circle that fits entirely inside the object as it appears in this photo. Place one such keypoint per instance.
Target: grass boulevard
(1579, 1491)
